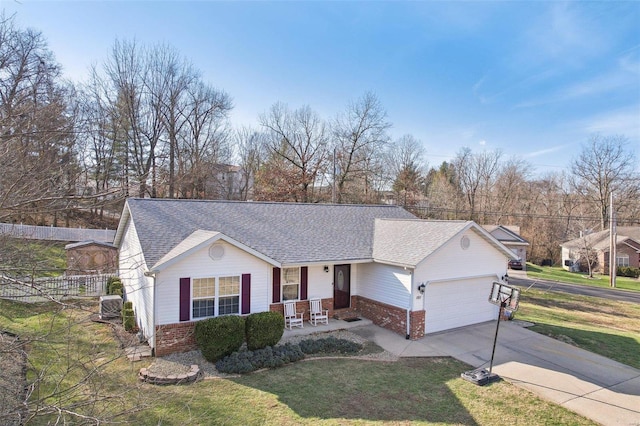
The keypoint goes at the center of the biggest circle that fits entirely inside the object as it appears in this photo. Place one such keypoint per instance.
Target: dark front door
(341, 286)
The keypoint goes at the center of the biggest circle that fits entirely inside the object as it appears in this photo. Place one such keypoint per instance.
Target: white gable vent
(216, 251)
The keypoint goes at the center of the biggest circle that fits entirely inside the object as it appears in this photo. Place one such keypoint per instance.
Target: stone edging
(192, 376)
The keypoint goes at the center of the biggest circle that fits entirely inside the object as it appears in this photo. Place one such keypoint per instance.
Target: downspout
(152, 275)
(408, 336)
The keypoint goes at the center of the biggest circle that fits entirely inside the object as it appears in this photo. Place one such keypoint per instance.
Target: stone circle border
(192, 376)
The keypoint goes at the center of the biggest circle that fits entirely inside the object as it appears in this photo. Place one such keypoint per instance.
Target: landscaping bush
(267, 357)
(220, 336)
(263, 329)
(627, 271)
(114, 286)
(128, 317)
(329, 345)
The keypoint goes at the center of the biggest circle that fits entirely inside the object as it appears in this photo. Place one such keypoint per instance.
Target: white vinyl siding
(234, 263)
(137, 287)
(458, 283)
(451, 262)
(319, 282)
(384, 283)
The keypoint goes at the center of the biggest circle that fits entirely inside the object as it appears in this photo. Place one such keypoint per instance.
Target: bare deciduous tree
(606, 165)
(37, 139)
(250, 146)
(360, 135)
(299, 139)
(405, 160)
(475, 173)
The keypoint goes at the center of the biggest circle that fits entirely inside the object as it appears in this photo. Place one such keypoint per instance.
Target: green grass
(83, 369)
(606, 327)
(552, 273)
(32, 258)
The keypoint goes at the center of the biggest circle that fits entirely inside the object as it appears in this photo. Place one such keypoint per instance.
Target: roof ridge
(262, 202)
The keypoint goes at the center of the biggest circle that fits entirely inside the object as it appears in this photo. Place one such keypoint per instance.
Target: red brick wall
(303, 306)
(172, 338)
(391, 317)
(417, 324)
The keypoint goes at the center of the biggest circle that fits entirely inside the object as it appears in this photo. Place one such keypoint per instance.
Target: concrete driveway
(591, 385)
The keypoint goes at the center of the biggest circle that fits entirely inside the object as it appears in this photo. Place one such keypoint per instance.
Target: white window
(229, 295)
(290, 284)
(215, 296)
(622, 260)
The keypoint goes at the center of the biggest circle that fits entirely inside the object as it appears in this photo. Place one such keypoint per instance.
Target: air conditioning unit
(110, 307)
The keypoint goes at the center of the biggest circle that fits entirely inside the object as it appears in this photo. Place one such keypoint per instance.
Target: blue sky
(533, 79)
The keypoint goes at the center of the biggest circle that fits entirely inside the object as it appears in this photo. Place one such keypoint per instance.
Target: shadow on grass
(618, 348)
(407, 390)
(547, 300)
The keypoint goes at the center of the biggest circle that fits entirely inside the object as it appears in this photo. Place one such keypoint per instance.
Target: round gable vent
(465, 242)
(216, 251)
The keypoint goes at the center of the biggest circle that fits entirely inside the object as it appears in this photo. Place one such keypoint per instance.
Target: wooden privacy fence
(44, 289)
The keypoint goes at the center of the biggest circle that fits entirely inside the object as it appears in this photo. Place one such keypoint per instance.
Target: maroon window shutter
(304, 279)
(185, 299)
(276, 285)
(246, 293)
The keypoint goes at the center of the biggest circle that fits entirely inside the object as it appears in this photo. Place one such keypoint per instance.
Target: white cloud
(482, 142)
(545, 151)
(621, 122)
(565, 33)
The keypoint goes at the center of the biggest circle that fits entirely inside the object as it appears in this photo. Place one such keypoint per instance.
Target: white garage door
(454, 304)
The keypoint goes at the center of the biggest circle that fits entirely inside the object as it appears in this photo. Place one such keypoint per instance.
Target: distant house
(91, 257)
(510, 237)
(184, 260)
(627, 249)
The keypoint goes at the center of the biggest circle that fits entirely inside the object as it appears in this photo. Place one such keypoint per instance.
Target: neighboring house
(184, 260)
(627, 249)
(91, 257)
(510, 237)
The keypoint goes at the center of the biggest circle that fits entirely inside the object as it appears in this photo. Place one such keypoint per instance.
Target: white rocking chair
(291, 317)
(317, 314)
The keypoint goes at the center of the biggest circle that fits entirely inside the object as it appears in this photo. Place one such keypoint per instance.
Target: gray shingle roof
(407, 242)
(287, 232)
(600, 240)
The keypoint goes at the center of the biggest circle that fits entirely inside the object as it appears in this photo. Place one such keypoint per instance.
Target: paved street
(520, 279)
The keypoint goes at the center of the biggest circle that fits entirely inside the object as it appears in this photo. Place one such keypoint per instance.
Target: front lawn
(78, 367)
(552, 273)
(606, 327)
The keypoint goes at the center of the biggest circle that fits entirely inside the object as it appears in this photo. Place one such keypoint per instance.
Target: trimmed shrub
(128, 317)
(628, 271)
(329, 345)
(263, 329)
(220, 336)
(267, 357)
(114, 286)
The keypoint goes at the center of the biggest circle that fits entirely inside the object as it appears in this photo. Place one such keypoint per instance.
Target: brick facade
(302, 306)
(391, 317)
(172, 338)
(179, 337)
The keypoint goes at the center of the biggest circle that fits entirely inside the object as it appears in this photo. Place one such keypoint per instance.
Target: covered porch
(334, 325)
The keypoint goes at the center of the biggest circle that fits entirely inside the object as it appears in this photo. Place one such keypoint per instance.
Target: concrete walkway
(591, 385)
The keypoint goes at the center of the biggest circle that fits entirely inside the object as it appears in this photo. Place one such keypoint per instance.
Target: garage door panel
(454, 304)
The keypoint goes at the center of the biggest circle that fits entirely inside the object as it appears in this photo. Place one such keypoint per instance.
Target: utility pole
(612, 244)
(333, 186)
